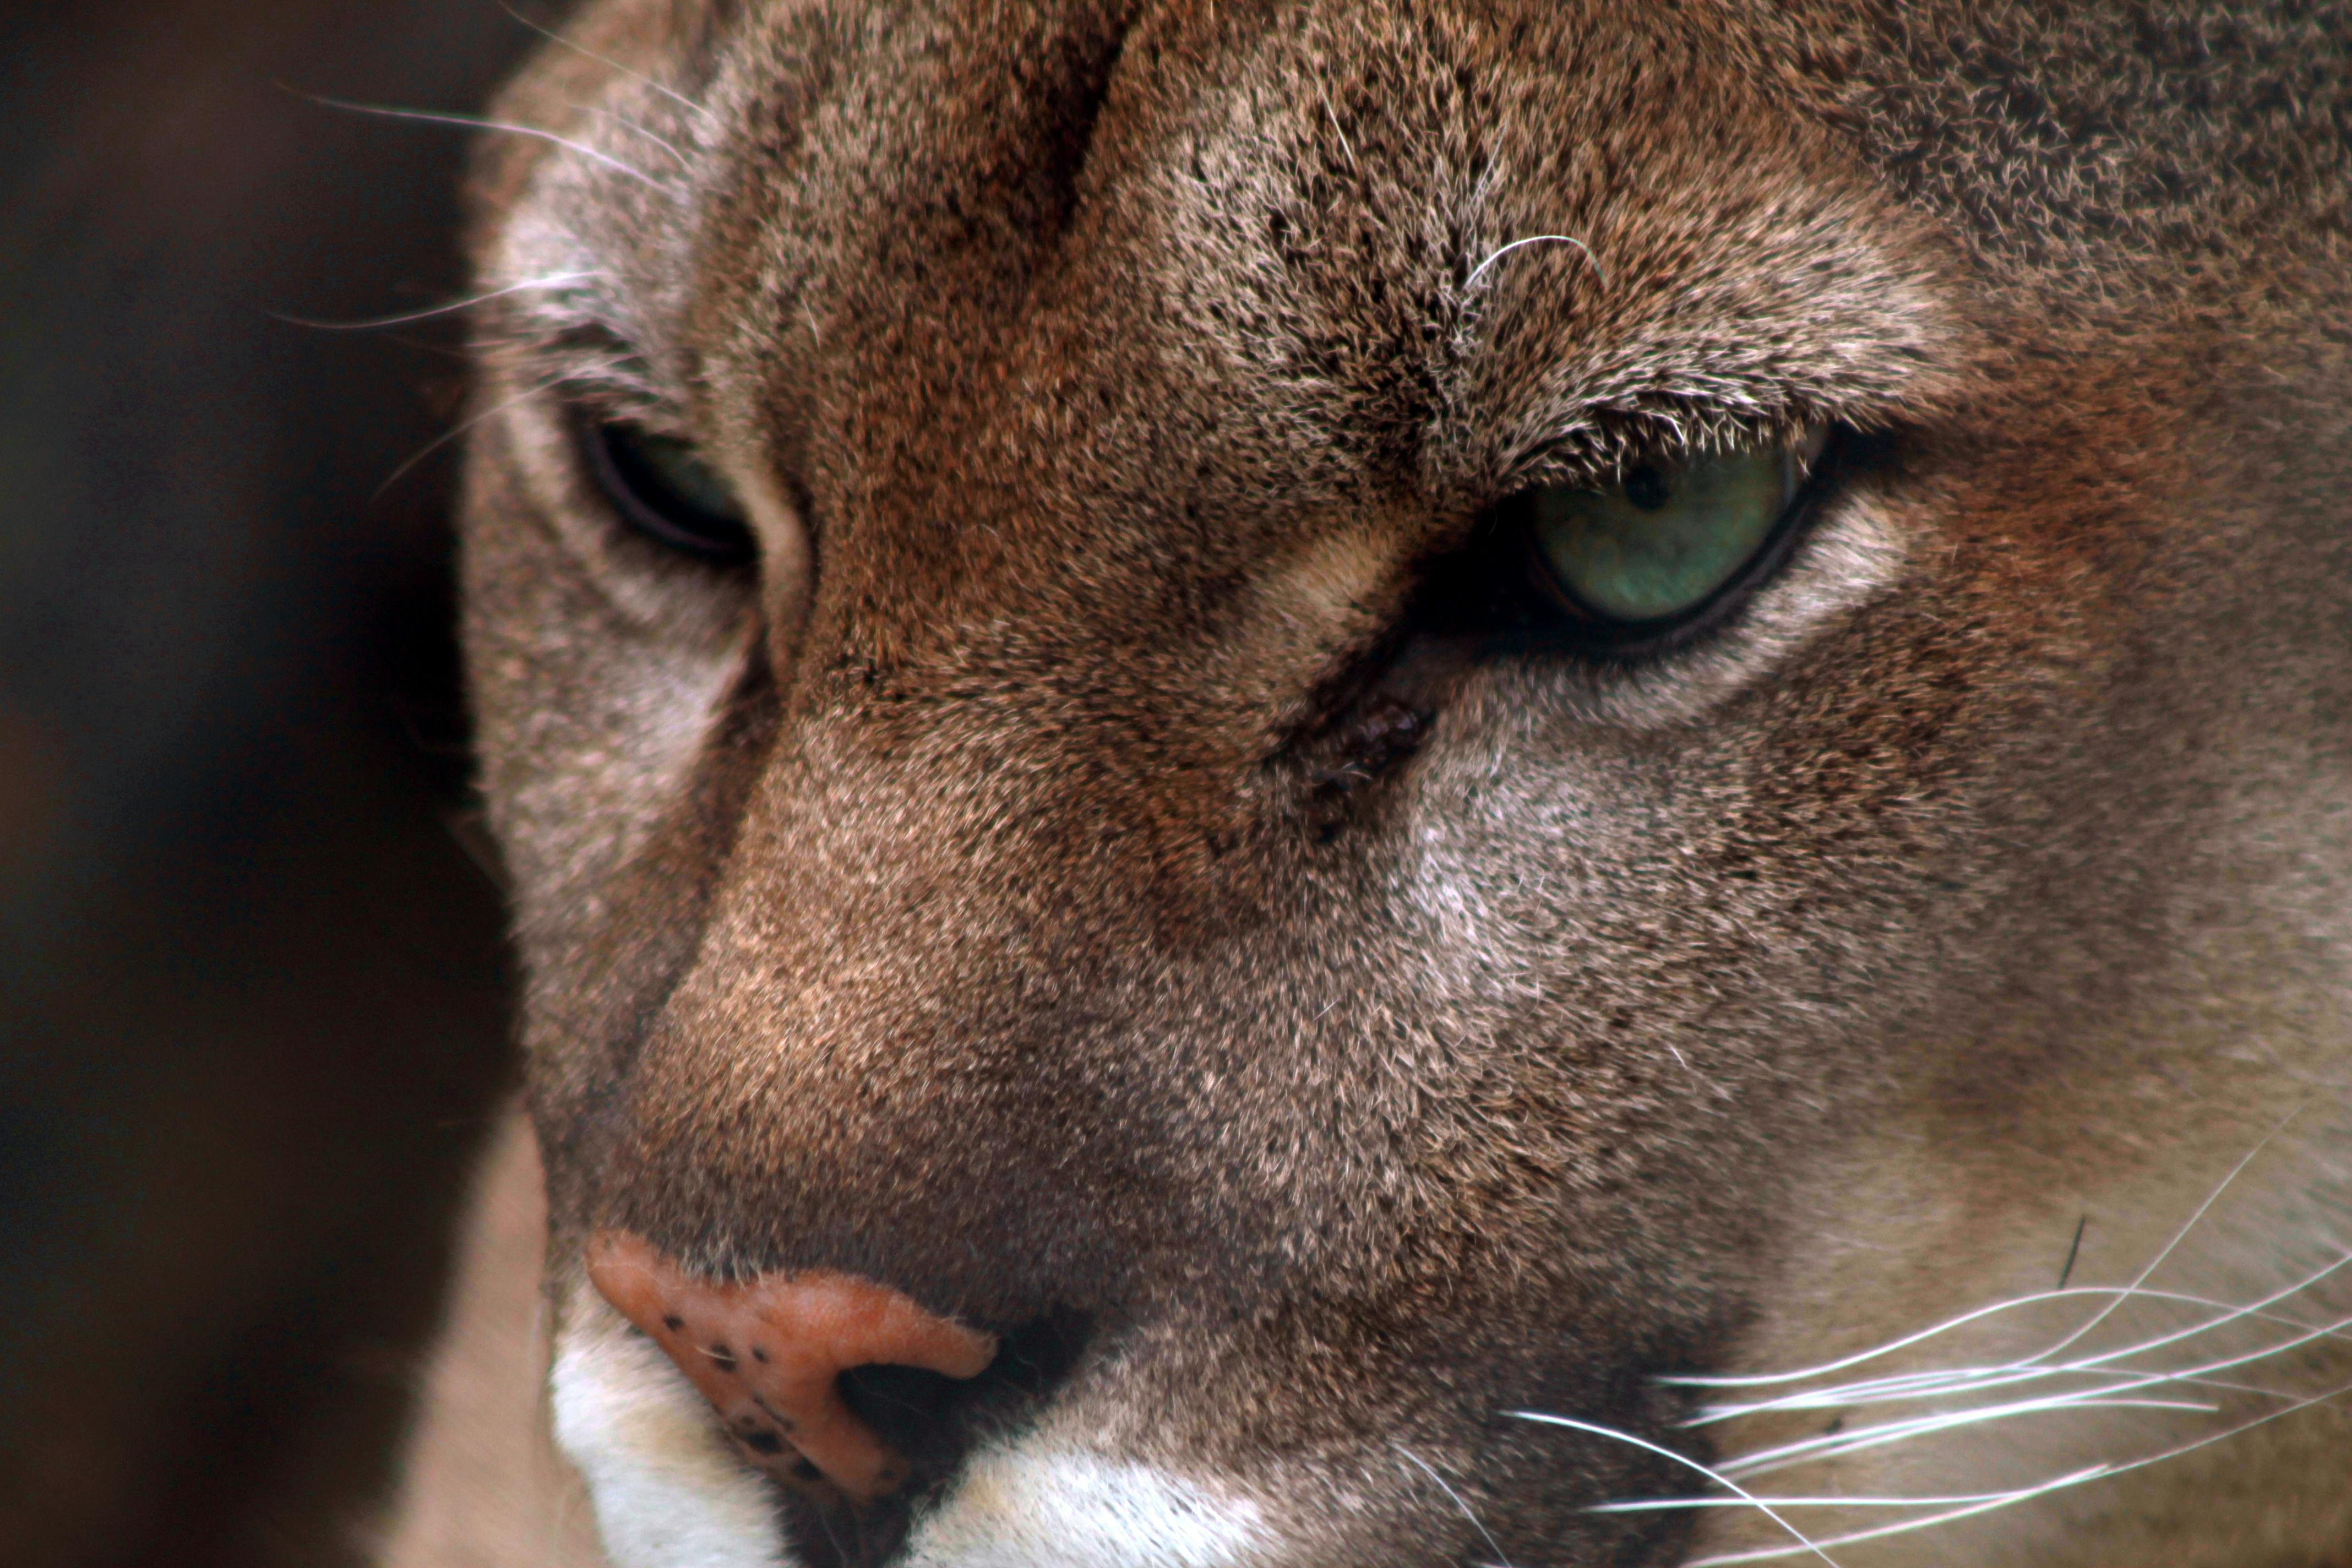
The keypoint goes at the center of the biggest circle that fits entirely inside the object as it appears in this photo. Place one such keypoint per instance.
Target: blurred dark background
(252, 994)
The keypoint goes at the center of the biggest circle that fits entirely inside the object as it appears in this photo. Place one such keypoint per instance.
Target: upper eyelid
(573, 344)
(600, 373)
(599, 367)
(604, 404)
(592, 395)
(1597, 456)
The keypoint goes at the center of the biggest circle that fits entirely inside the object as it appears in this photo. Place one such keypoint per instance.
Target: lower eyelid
(1849, 555)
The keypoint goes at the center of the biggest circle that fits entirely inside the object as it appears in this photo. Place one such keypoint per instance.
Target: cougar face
(1440, 782)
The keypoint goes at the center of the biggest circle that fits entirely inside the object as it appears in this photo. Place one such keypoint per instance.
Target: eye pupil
(1647, 489)
(666, 491)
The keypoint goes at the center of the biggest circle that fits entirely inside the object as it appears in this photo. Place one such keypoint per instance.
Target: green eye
(1663, 541)
(667, 490)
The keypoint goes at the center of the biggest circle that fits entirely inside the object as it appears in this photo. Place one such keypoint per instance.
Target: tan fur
(1011, 893)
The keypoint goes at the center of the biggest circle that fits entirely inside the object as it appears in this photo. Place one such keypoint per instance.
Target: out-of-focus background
(252, 997)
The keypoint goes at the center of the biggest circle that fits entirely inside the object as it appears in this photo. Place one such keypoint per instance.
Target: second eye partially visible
(666, 491)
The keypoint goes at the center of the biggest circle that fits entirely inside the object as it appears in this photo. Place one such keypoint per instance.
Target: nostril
(913, 1411)
(770, 1353)
(935, 1419)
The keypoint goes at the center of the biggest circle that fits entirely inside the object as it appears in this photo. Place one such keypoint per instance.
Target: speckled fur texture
(1009, 890)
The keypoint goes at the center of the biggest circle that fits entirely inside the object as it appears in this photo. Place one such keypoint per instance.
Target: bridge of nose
(881, 1061)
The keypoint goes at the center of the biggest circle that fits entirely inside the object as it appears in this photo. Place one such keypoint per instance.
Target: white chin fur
(669, 1492)
(1020, 1508)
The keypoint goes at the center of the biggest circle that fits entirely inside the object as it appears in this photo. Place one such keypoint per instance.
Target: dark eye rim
(1544, 618)
(629, 484)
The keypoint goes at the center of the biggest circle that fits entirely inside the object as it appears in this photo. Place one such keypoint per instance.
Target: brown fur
(963, 903)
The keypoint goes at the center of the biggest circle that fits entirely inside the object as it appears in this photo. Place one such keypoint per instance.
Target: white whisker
(2079, 1478)
(1688, 1463)
(1967, 1381)
(1475, 1524)
(685, 165)
(1838, 1445)
(2109, 1381)
(1970, 1380)
(1879, 1353)
(2222, 1436)
(1692, 1504)
(559, 39)
(550, 385)
(2116, 1293)
(1922, 1384)
(2237, 1314)
(477, 122)
(1768, 1553)
(1480, 270)
(2178, 1236)
(556, 280)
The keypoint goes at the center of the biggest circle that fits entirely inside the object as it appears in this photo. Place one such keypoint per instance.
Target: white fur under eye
(1852, 553)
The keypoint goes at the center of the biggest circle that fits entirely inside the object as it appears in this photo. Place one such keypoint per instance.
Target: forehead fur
(2045, 136)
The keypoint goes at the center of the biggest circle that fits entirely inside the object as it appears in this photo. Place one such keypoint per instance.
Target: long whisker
(477, 122)
(2178, 1236)
(1806, 1543)
(548, 385)
(1879, 1353)
(1922, 1386)
(559, 39)
(1475, 1524)
(1839, 1443)
(1768, 1553)
(1693, 1504)
(2115, 1293)
(1834, 1399)
(2112, 1381)
(2100, 1472)
(623, 120)
(556, 280)
(2232, 1316)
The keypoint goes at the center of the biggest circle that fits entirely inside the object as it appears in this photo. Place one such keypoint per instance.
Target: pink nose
(769, 1355)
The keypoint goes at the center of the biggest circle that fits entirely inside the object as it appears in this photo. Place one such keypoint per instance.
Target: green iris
(1663, 539)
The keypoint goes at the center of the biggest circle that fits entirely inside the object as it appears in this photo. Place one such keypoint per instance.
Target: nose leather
(769, 1353)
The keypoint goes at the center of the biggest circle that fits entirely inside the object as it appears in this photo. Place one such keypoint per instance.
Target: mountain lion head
(1359, 783)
